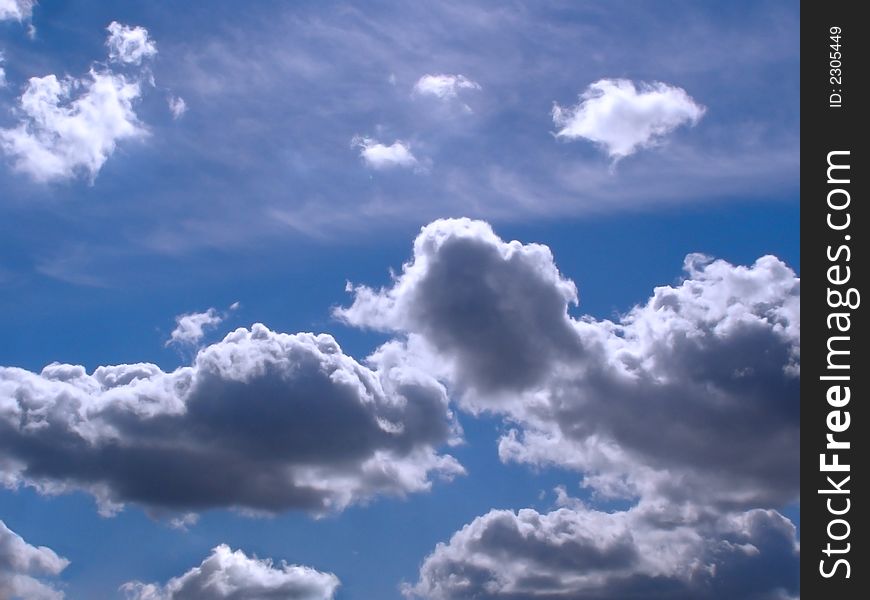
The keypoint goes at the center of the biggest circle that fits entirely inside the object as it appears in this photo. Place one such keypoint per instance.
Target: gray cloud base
(262, 421)
(581, 553)
(21, 564)
(688, 405)
(694, 394)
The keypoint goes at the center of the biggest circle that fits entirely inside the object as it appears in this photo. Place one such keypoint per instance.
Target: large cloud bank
(262, 421)
(688, 405)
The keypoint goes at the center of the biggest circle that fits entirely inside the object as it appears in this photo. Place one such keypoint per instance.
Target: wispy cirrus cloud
(623, 117)
(380, 156)
(444, 87)
(16, 10)
(177, 106)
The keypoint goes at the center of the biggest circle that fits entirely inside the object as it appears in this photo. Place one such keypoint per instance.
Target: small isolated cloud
(232, 575)
(379, 156)
(62, 134)
(71, 126)
(129, 45)
(16, 10)
(444, 87)
(2, 71)
(260, 421)
(623, 118)
(184, 522)
(177, 106)
(191, 327)
(21, 564)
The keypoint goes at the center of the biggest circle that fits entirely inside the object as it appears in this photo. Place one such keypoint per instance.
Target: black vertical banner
(834, 372)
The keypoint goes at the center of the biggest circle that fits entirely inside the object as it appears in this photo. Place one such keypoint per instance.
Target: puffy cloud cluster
(20, 563)
(70, 126)
(380, 156)
(261, 421)
(444, 87)
(129, 45)
(712, 361)
(644, 552)
(16, 10)
(687, 405)
(622, 118)
(229, 575)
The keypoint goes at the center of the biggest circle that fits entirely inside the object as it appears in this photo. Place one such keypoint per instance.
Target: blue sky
(310, 153)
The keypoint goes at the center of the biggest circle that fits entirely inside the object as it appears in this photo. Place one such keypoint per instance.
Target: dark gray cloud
(577, 552)
(693, 395)
(231, 575)
(261, 421)
(21, 564)
(497, 312)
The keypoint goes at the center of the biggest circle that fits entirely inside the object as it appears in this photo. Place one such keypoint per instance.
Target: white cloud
(190, 327)
(378, 156)
(251, 424)
(16, 10)
(177, 106)
(229, 575)
(713, 361)
(184, 522)
(71, 126)
(444, 87)
(646, 552)
(60, 136)
(21, 563)
(2, 71)
(129, 45)
(621, 118)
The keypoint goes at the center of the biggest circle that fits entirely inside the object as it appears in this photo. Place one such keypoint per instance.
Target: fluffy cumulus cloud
(129, 45)
(713, 361)
(21, 564)
(645, 552)
(229, 575)
(260, 421)
(16, 10)
(380, 156)
(444, 87)
(687, 406)
(70, 126)
(623, 117)
(191, 327)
